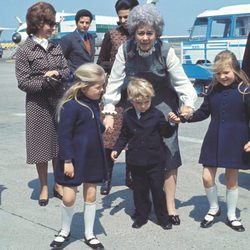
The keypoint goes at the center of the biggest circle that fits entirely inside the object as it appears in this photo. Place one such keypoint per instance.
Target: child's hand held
(172, 117)
(247, 147)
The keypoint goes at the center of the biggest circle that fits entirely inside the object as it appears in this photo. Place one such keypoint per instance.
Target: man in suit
(79, 46)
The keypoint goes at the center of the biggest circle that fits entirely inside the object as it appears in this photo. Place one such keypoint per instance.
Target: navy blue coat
(75, 50)
(228, 130)
(144, 137)
(80, 139)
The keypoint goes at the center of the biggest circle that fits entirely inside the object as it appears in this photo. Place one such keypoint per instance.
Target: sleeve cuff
(109, 109)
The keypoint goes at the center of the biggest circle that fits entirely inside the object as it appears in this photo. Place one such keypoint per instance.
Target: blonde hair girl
(227, 138)
(85, 76)
(225, 59)
(81, 152)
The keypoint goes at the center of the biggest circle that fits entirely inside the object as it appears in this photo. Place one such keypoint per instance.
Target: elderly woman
(146, 56)
(38, 62)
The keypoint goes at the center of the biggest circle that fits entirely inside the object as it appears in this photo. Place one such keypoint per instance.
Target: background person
(246, 58)
(146, 56)
(81, 151)
(79, 46)
(36, 60)
(111, 42)
(228, 104)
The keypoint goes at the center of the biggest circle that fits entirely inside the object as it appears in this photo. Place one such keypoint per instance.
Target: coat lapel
(79, 39)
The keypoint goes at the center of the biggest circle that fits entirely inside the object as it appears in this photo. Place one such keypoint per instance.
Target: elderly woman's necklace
(145, 53)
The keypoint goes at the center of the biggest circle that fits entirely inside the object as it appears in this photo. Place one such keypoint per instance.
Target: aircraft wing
(152, 1)
(3, 29)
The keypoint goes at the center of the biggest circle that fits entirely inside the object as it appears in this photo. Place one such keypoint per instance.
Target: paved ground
(25, 225)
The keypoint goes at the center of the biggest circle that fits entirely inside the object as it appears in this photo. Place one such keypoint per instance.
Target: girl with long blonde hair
(227, 137)
(81, 151)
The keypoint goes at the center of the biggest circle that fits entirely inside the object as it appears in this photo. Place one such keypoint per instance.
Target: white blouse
(43, 42)
(179, 80)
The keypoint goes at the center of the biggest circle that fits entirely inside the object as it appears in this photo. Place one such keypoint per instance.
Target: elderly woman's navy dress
(228, 130)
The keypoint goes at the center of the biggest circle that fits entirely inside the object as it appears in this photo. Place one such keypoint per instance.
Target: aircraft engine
(19, 38)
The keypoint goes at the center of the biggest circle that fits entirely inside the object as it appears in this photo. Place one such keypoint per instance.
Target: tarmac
(24, 225)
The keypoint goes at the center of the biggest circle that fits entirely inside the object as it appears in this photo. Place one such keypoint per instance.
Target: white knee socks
(89, 219)
(67, 215)
(232, 198)
(212, 199)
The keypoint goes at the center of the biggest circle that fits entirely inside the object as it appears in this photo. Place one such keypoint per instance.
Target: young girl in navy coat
(143, 129)
(81, 151)
(225, 143)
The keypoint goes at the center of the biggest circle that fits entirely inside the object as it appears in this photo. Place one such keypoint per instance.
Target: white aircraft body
(1, 30)
(66, 24)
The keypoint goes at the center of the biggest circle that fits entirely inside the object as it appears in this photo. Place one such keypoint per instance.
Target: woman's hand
(51, 73)
(186, 112)
(114, 155)
(69, 170)
(172, 117)
(247, 147)
(108, 122)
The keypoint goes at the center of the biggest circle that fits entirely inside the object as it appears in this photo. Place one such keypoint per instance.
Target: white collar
(143, 53)
(138, 114)
(43, 42)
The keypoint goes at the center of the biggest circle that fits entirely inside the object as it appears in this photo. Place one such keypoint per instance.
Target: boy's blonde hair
(139, 89)
(85, 76)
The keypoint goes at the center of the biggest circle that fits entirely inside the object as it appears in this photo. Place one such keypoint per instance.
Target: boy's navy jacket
(80, 139)
(144, 137)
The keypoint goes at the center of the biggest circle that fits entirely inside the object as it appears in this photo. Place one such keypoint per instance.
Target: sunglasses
(51, 23)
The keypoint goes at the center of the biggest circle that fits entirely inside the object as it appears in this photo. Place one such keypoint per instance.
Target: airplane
(66, 23)
(1, 30)
(152, 1)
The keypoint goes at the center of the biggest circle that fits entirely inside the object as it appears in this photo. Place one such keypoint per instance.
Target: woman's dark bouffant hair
(39, 14)
(125, 5)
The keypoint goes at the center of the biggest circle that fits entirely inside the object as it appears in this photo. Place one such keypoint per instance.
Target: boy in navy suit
(143, 130)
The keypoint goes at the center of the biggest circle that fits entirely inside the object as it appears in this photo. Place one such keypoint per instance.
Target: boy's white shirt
(179, 80)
